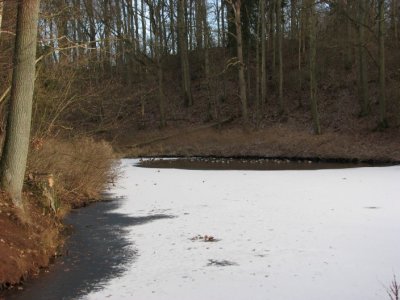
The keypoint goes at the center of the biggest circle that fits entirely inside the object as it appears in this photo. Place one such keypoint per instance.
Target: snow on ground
(327, 234)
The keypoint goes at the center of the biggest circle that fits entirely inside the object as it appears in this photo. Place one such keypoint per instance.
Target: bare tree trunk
(163, 28)
(183, 48)
(348, 64)
(223, 38)
(273, 38)
(151, 42)
(395, 22)
(279, 33)
(158, 37)
(189, 23)
(362, 60)
(172, 25)
(263, 54)
(144, 31)
(92, 32)
(53, 37)
(136, 18)
(81, 29)
(236, 6)
(13, 161)
(313, 53)
(293, 18)
(218, 12)
(199, 25)
(299, 55)
(212, 103)
(107, 36)
(155, 22)
(120, 49)
(258, 65)
(383, 123)
(62, 30)
(1, 14)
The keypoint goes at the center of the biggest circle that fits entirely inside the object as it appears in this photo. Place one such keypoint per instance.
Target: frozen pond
(314, 234)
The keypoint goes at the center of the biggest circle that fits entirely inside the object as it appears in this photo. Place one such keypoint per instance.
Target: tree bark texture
(13, 162)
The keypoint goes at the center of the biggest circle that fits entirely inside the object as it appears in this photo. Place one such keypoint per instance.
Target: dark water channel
(97, 250)
(260, 164)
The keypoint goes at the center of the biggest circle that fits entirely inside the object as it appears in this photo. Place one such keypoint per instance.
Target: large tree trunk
(13, 161)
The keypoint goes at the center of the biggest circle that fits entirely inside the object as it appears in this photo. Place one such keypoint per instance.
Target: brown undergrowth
(72, 173)
(81, 167)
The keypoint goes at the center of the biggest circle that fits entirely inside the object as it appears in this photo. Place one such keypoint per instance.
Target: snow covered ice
(326, 234)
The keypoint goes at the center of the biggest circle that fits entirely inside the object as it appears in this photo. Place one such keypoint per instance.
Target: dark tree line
(130, 39)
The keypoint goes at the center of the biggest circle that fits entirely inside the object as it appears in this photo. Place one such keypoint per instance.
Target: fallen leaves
(204, 238)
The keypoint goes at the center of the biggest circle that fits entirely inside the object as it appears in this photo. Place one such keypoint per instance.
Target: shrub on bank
(78, 170)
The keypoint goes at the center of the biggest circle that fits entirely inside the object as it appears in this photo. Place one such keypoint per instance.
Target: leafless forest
(81, 80)
(112, 64)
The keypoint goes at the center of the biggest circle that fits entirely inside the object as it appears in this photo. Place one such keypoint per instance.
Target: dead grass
(81, 167)
(277, 141)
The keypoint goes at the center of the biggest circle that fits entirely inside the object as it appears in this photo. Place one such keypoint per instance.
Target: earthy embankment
(277, 141)
(31, 238)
